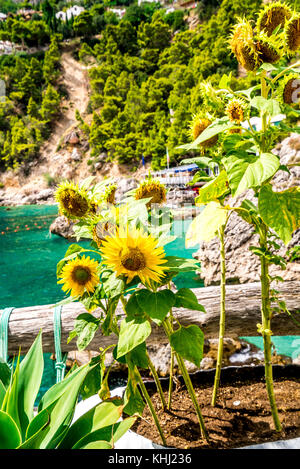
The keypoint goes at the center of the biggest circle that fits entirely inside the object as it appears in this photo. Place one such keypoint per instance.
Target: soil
(242, 416)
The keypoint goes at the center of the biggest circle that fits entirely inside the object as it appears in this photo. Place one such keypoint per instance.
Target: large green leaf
(37, 430)
(188, 343)
(29, 382)
(85, 328)
(185, 298)
(5, 373)
(246, 170)
(110, 434)
(214, 189)
(60, 401)
(102, 415)
(132, 333)
(10, 437)
(156, 304)
(280, 210)
(206, 225)
(270, 106)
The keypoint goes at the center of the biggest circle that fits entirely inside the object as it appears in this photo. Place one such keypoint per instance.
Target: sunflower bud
(73, 202)
(235, 110)
(242, 45)
(151, 189)
(197, 126)
(267, 49)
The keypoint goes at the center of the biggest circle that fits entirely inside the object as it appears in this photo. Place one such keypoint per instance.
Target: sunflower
(289, 89)
(197, 126)
(151, 189)
(267, 49)
(101, 230)
(292, 33)
(131, 252)
(79, 275)
(242, 45)
(272, 16)
(73, 202)
(235, 110)
(109, 194)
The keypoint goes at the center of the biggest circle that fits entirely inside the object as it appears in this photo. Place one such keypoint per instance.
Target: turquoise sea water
(28, 258)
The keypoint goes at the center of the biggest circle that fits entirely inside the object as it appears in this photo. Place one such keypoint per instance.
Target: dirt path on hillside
(74, 80)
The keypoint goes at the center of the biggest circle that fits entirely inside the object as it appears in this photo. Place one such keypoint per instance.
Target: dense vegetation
(151, 74)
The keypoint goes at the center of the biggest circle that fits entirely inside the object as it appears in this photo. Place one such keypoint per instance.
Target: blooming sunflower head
(73, 202)
(79, 276)
(197, 126)
(273, 15)
(289, 89)
(292, 33)
(235, 110)
(151, 189)
(131, 252)
(267, 49)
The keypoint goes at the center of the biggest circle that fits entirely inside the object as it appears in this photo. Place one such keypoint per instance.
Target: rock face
(241, 264)
(62, 227)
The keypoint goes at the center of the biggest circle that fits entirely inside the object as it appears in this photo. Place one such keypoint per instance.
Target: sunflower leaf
(188, 343)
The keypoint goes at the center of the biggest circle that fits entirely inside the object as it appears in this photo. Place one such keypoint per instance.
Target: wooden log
(242, 316)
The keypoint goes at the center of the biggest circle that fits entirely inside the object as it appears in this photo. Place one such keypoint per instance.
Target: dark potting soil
(242, 416)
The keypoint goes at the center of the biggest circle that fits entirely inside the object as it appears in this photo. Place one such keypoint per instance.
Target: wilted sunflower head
(289, 89)
(73, 202)
(292, 33)
(197, 126)
(242, 45)
(101, 230)
(131, 252)
(109, 194)
(235, 110)
(79, 276)
(268, 50)
(273, 15)
(151, 188)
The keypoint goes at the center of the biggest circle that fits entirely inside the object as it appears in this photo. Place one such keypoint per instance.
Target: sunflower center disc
(133, 260)
(81, 275)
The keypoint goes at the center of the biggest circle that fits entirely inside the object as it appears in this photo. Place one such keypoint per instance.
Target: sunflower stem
(188, 383)
(266, 327)
(222, 316)
(171, 379)
(151, 407)
(157, 382)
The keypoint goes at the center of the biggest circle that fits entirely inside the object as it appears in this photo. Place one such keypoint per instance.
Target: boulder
(61, 226)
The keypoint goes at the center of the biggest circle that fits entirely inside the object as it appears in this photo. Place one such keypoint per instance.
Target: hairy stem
(188, 383)
(266, 329)
(222, 316)
(151, 407)
(157, 382)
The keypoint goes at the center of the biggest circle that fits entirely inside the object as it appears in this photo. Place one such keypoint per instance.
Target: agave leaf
(10, 437)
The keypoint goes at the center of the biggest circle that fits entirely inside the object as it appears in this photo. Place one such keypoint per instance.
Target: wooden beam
(242, 305)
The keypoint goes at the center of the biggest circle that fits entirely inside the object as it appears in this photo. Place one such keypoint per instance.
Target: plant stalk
(222, 316)
(157, 382)
(171, 379)
(266, 329)
(151, 407)
(189, 385)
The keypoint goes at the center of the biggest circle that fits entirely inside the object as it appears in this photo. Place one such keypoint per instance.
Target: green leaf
(280, 210)
(181, 264)
(134, 403)
(132, 333)
(29, 382)
(97, 445)
(246, 171)
(37, 430)
(85, 328)
(156, 304)
(188, 343)
(10, 437)
(70, 254)
(206, 225)
(271, 106)
(5, 374)
(214, 189)
(60, 401)
(185, 298)
(137, 356)
(103, 414)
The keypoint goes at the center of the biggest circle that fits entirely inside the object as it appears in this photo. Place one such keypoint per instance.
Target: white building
(151, 1)
(72, 11)
(3, 16)
(120, 12)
